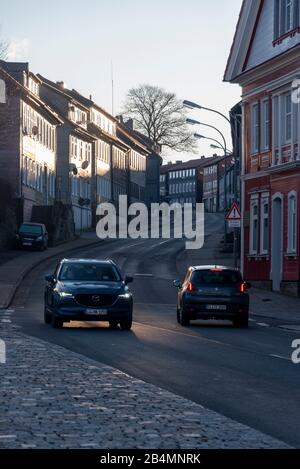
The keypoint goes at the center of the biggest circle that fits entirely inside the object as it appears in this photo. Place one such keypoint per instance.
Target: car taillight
(191, 287)
(243, 287)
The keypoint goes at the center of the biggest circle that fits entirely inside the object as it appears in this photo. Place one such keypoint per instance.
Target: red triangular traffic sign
(234, 213)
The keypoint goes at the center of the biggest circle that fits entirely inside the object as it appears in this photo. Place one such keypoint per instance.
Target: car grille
(96, 300)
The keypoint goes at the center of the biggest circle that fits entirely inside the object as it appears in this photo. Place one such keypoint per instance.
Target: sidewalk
(264, 303)
(13, 271)
(54, 398)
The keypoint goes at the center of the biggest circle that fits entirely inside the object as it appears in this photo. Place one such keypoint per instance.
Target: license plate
(217, 307)
(27, 244)
(96, 312)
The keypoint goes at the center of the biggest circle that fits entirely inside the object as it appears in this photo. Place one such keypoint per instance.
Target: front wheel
(126, 324)
(57, 323)
(47, 316)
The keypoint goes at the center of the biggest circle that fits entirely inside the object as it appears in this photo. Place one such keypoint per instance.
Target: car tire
(241, 323)
(178, 316)
(183, 319)
(47, 316)
(126, 325)
(113, 324)
(57, 323)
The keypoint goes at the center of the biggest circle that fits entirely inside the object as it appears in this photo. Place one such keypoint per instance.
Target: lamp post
(224, 147)
(193, 105)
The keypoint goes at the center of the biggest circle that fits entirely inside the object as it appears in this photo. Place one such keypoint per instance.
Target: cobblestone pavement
(53, 398)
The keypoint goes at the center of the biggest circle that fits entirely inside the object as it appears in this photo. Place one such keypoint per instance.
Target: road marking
(143, 275)
(263, 324)
(273, 355)
(6, 320)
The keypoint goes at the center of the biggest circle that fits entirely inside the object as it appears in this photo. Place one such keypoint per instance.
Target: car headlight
(40, 238)
(125, 296)
(64, 294)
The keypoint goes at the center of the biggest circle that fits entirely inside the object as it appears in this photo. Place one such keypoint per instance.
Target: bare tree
(160, 116)
(3, 48)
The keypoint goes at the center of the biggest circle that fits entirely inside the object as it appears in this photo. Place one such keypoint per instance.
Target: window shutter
(276, 18)
(296, 13)
(283, 17)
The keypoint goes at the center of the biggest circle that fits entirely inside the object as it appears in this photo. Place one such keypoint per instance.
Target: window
(292, 222)
(2, 92)
(287, 117)
(286, 17)
(255, 128)
(264, 225)
(254, 227)
(265, 128)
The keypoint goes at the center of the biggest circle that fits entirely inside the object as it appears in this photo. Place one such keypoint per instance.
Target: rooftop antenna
(112, 88)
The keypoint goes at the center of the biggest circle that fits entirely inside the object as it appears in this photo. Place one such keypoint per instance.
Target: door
(277, 235)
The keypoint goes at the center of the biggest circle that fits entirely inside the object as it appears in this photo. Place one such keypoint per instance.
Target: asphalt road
(244, 374)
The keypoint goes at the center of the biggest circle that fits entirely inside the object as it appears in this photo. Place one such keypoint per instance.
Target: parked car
(32, 235)
(213, 292)
(88, 290)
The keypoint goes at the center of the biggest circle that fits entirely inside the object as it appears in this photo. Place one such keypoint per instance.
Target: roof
(191, 164)
(64, 91)
(242, 39)
(87, 261)
(32, 97)
(214, 266)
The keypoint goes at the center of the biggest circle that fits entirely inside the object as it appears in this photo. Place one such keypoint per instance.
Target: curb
(6, 303)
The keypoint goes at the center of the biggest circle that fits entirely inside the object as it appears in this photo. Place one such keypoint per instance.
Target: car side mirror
(50, 278)
(128, 279)
(177, 284)
(248, 285)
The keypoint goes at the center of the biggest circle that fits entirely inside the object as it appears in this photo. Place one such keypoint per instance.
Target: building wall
(10, 124)
(262, 47)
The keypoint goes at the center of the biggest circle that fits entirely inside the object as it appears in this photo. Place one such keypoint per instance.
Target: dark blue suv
(88, 290)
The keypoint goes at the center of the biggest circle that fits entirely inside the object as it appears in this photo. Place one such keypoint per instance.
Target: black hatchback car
(32, 235)
(213, 292)
(88, 290)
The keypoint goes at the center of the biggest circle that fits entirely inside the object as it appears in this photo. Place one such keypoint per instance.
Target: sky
(181, 46)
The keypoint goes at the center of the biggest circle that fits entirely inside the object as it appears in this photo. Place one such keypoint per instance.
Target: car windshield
(216, 277)
(94, 272)
(31, 229)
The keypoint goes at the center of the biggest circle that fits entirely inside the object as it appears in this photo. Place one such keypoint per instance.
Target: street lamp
(192, 105)
(217, 147)
(199, 136)
(195, 122)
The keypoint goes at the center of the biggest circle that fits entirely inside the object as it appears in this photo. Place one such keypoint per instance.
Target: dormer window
(33, 86)
(286, 19)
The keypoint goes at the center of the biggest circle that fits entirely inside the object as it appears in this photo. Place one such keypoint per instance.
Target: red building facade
(265, 61)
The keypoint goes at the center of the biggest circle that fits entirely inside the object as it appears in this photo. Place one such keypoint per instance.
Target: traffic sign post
(234, 221)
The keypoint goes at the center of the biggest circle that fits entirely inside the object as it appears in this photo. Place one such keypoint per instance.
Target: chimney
(129, 124)
(120, 118)
(91, 97)
(61, 84)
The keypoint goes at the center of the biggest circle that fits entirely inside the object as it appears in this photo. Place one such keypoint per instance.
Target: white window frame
(286, 114)
(254, 202)
(265, 124)
(292, 234)
(265, 200)
(254, 128)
